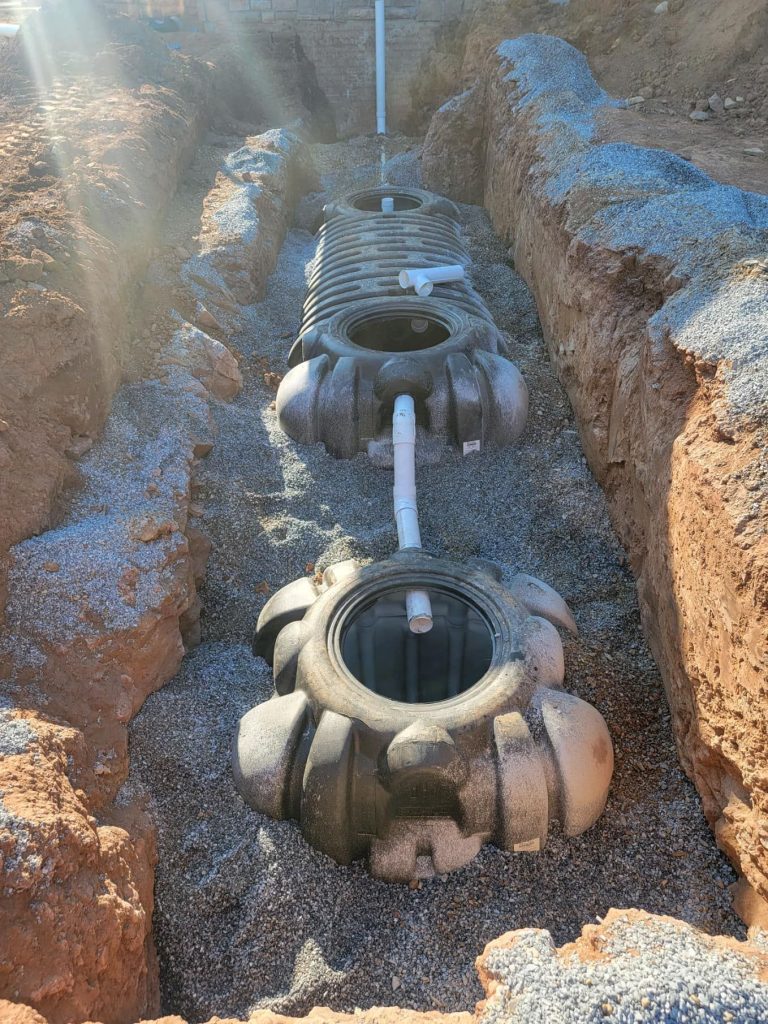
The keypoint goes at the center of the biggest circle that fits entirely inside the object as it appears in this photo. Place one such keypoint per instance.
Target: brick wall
(189, 10)
(338, 37)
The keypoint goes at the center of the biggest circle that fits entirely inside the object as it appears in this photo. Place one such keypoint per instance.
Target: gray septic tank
(416, 750)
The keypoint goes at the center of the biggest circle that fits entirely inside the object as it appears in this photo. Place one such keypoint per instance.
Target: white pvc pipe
(387, 204)
(404, 491)
(424, 279)
(9, 30)
(418, 608)
(417, 604)
(381, 69)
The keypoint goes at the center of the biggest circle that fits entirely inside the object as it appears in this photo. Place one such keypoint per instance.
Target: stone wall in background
(337, 36)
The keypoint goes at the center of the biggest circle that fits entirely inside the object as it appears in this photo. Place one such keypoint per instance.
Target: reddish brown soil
(91, 907)
(96, 139)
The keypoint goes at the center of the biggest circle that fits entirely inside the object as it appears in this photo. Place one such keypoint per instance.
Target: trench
(247, 915)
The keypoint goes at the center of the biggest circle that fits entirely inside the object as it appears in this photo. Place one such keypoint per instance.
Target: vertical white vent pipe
(381, 69)
(417, 603)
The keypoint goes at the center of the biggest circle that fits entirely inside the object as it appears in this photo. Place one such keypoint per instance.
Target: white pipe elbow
(424, 279)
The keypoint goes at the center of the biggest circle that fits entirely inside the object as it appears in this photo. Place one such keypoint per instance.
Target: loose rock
(23, 269)
(716, 104)
(206, 319)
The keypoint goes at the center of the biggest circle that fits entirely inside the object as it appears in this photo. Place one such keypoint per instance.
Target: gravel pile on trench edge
(247, 915)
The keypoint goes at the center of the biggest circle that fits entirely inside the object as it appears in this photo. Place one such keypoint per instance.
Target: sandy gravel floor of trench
(247, 915)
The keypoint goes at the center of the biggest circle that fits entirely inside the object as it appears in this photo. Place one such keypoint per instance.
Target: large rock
(459, 129)
(207, 359)
(652, 288)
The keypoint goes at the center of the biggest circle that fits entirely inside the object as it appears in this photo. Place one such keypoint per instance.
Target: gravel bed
(247, 915)
(639, 971)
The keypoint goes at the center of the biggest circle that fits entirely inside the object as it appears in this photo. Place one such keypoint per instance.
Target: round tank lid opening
(371, 203)
(398, 333)
(381, 652)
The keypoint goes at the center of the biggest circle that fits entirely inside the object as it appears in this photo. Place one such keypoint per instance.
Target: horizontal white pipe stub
(387, 204)
(423, 279)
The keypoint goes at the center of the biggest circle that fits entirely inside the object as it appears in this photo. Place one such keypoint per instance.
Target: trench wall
(82, 196)
(651, 284)
(102, 589)
(100, 612)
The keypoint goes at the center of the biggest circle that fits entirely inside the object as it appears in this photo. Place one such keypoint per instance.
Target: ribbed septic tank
(362, 258)
(363, 339)
(354, 364)
(416, 750)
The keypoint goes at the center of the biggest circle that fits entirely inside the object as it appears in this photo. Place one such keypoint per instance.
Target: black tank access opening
(382, 653)
(372, 203)
(398, 333)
